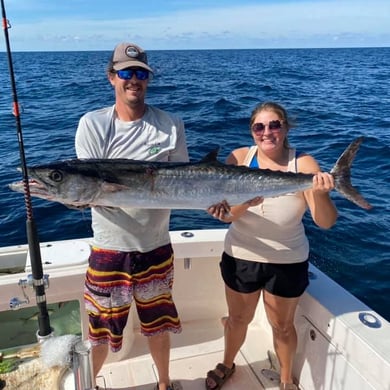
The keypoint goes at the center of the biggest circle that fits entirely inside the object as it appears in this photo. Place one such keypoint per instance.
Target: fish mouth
(36, 188)
(41, 190)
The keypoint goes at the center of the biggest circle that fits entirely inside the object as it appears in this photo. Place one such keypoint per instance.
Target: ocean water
(333, 95)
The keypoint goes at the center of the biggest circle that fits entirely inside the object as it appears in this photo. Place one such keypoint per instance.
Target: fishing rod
(32, 234)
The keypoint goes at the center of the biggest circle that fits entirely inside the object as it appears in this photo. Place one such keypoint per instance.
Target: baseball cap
(126, 55)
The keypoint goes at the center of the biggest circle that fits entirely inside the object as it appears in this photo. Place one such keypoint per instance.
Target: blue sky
(46, 25)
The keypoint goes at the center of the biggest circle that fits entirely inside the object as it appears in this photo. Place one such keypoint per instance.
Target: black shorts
(283, 280)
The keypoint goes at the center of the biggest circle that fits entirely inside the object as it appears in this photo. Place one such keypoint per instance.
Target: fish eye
(56, 176)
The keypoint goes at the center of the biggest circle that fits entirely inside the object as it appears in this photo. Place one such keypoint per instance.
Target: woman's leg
(280, 313)
(241, 309)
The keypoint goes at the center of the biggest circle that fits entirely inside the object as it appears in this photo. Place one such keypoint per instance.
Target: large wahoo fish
(129, 183)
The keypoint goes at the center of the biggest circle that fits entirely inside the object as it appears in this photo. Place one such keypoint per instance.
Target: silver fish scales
(129, 183)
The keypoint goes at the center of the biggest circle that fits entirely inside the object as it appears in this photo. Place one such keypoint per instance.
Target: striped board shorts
(114, 279)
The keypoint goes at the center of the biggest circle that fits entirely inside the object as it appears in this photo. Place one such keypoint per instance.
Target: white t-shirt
(157, 136)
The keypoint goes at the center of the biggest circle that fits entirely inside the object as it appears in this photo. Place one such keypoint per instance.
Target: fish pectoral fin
(112, 187)
(74, 207)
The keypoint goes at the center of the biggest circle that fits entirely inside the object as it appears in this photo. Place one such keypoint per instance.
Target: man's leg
(99, 354)
(156, 309)
(159, 346)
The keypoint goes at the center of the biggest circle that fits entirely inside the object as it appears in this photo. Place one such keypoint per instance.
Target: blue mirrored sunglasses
(127, 74)
(272, 125)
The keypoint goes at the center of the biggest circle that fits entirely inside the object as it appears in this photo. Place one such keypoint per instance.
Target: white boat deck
(342, 343)
(194, 352)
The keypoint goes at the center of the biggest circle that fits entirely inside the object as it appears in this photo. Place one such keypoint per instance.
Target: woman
(266, 249)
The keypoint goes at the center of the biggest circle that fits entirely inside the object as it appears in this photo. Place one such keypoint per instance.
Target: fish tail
(342, 175)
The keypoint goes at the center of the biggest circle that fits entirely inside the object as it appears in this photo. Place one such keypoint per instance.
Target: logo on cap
(132, 52)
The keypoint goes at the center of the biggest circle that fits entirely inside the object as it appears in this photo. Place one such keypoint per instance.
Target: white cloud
(276, 24)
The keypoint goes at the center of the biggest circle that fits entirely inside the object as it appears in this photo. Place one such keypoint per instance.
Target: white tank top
(271, 232)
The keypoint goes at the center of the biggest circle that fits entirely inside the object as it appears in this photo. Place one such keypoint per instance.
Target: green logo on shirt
(154, 149)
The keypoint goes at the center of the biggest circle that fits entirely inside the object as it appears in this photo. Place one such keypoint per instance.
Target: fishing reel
(15, 302)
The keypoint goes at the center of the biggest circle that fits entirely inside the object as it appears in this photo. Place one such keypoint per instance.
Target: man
(132, 258)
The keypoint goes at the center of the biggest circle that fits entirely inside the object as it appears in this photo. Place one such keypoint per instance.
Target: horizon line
(204, 49)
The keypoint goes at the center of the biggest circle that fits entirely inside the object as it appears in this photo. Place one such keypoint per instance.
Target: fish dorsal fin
(211, 156)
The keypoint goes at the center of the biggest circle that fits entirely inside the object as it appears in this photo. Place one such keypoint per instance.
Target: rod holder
(41, 339)
(82, 366)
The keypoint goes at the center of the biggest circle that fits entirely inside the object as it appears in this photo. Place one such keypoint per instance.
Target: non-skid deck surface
(188, 374)
(194, 352)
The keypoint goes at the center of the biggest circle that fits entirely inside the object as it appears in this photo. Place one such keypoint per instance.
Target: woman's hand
(225, 213)
(323, 182)
(323, 210)
(220, 211)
